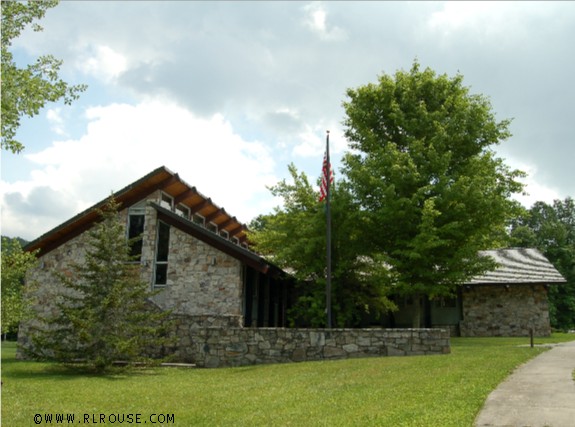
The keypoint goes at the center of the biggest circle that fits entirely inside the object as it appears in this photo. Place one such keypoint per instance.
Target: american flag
(326, 174)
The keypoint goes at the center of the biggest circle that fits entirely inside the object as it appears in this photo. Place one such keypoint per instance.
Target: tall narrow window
(136, 219)
(162, 250)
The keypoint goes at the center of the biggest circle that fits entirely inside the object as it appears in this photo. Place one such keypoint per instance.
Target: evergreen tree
(105, 312)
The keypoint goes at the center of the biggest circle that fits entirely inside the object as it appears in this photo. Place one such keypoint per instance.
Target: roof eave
(238, 252)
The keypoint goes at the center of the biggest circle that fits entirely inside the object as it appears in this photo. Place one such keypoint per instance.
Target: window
(136, 219)
(198, 219)
(183, 211)
(225, 234)
(162, 250)
(167, 201)
(235, 241)
(212, 227)
(446, 302)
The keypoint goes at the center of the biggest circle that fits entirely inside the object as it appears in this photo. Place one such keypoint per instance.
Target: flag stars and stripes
(326, 176)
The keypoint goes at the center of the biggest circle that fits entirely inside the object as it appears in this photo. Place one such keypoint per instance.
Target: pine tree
(105, 313)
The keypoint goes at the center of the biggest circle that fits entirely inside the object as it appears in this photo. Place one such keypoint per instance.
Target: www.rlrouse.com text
(60, 418)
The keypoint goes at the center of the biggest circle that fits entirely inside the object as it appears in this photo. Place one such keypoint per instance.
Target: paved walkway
(540, 393)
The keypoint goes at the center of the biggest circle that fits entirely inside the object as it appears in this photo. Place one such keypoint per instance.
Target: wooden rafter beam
(236, 230)
(227, 222)
(200, 205)
(190, 192)
(215, 214)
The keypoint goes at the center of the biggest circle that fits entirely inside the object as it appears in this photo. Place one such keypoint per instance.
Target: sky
(228, 94)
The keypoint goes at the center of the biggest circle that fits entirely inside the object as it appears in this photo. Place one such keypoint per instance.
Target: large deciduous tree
(422, 170)
(551, 229)
(26, 90)
(294, 238)
(104, 309)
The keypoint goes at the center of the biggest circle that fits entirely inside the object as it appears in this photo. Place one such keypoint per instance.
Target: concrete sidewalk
(540, 393)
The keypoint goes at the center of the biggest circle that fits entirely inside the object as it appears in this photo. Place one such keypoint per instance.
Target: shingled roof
(519, 266)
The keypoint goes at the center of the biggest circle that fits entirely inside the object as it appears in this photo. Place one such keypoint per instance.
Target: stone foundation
(491, 311)
(221, 347)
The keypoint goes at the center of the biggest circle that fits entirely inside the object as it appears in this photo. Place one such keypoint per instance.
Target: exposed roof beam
(200, 205)
(238, 229)
(190, 192)
(215, 214)
(168, 181)
(249, 258)
(227, 222)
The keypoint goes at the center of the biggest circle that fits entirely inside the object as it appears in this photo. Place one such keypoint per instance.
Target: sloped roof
(159, 179)
(201, 233)
(518, 266)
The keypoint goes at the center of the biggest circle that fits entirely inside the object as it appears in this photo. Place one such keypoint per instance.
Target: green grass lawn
(446, 390)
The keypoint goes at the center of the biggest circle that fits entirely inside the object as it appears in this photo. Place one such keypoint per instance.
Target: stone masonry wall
(201, 279)
(505, 311)
(42, 285)
(222, 347)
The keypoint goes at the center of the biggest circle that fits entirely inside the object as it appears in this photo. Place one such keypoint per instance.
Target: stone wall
(505, 311)
(222, 347)
(201, 279)
(43, 286)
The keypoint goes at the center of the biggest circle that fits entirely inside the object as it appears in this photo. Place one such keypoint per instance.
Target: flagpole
(328, 237)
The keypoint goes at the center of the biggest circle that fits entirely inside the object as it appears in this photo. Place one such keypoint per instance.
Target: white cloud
(506, 23)
(316, 21)
(123, 143)
(103, 63)
(54, 116)
(535, 190)
(278, 72)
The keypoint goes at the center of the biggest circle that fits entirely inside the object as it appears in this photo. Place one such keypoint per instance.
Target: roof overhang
(518, 267)
(159, 179)
(238, 252)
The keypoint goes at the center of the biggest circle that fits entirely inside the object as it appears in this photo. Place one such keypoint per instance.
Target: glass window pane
(163, 242)
(161, 274)
(135, 230)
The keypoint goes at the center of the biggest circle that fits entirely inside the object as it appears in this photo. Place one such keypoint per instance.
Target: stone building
(192, 251)
(229, 303)
(508, 301)
(197, 256)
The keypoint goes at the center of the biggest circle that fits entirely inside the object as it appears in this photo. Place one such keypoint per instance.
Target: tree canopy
(422, 170)
(294, 237)
(422, 192)
(551, 229)
(26, 90)
(15, 263)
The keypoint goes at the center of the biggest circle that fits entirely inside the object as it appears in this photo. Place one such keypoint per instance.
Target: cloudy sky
(228, 94)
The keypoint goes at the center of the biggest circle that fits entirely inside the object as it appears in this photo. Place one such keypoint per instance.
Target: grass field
(446, 390)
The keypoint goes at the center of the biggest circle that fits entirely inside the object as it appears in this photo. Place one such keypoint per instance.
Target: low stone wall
(220, 347)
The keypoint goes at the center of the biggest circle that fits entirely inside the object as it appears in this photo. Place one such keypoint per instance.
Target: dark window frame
(161, 256)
